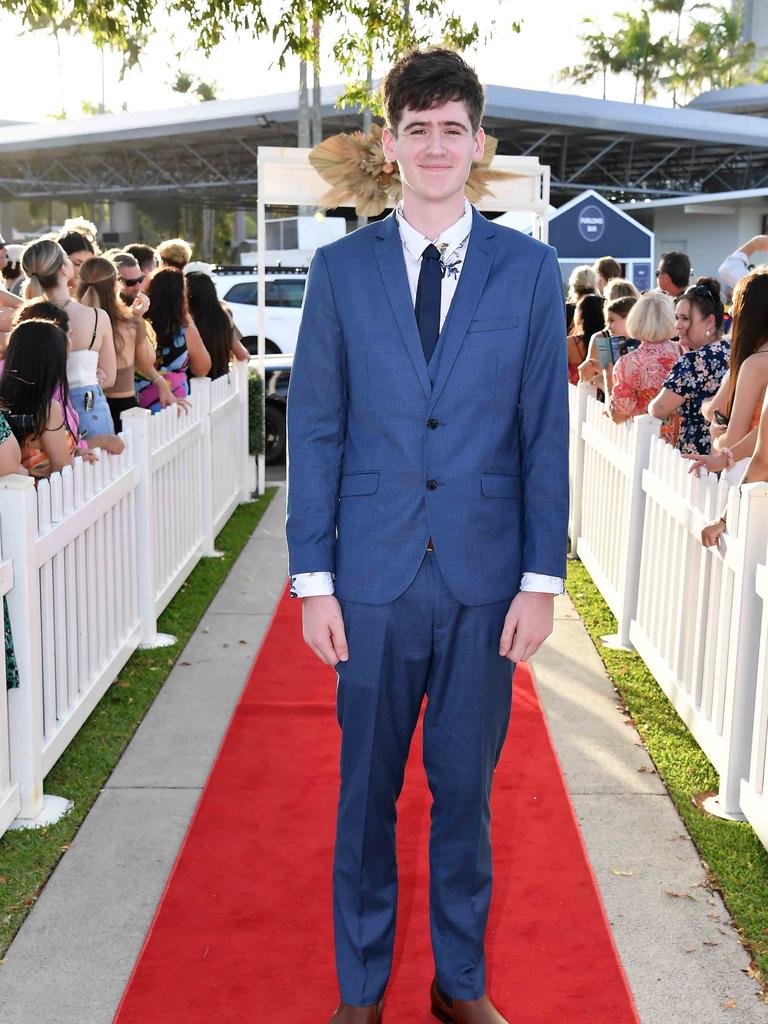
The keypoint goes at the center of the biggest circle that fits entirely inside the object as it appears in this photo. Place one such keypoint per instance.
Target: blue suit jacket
(361, 397)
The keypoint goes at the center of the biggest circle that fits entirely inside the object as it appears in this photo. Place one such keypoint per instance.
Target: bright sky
(38, 84)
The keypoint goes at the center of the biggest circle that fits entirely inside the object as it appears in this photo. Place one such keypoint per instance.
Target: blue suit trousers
(424, 643)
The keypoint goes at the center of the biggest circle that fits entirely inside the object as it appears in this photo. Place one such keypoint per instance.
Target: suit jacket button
(432, 424)
(432, 485)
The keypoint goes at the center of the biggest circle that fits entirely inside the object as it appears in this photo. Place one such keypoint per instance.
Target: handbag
(150, 395)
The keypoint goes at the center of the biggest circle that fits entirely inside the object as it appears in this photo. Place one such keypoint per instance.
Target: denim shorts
(92, 410)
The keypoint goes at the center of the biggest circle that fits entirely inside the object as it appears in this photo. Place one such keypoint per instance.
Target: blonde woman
(91, 363)
(98, 288)
(639, 375)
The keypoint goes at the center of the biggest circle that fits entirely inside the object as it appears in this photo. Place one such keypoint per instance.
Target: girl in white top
(92, 363)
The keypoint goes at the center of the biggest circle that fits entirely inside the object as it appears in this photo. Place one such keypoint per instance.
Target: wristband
(157, 378)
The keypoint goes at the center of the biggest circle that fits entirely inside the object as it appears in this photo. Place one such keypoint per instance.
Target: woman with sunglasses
(98, 287)
(697, 374)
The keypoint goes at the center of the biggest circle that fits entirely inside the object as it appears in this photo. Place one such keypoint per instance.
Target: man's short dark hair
(143, 254)
(423, 79)
(677, 267)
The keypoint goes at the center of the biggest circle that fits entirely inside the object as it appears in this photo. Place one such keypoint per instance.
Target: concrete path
(72, 958)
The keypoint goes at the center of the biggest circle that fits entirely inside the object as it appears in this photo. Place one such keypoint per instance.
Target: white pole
(583, 394)
(743, 651)
(240, 370)
(643, 429)
(18, 527)
(137, 424)
(200, 394)
(262, 297)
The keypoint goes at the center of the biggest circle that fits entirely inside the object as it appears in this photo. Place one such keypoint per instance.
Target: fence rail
(92, 557)
(698, 617)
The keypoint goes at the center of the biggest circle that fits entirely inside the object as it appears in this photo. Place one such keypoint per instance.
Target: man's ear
(479, 144)
(389, 142)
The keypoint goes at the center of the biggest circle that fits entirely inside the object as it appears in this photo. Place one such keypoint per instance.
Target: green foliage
(377, 29)
(255, 413)
(383, 31)
(711, 55)
(186, 83)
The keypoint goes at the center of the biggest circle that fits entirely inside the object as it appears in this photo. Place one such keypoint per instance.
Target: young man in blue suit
(427, 510)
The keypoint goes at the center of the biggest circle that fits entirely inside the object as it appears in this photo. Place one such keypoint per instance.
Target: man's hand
(527, 625)
(324, 628)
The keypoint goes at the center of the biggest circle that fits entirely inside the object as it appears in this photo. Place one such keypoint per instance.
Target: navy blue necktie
(428, 300)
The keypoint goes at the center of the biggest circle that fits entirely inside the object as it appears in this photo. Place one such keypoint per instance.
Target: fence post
(643, 429)
(137, 426)
(241, 369)
(200, 393)
(18, 528)
(743, 650)
(579, 412)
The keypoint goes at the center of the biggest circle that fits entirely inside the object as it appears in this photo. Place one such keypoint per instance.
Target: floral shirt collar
(450, 242)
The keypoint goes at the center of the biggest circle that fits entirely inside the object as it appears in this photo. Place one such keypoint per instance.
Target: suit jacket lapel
(481, 250)
(389, 254)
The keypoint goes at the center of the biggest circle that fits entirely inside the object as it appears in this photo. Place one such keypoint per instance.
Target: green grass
(28, 857)
(736, 860)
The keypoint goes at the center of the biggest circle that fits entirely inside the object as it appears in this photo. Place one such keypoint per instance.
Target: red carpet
(243, 932)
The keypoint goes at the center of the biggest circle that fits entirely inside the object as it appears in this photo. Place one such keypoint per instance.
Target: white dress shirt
(452, 244)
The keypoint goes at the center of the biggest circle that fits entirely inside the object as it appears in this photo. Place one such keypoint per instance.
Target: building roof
(207, 152)
(743, 99)
(697, 200)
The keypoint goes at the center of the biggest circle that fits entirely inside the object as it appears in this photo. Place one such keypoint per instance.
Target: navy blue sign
(593, 228)
(641, 272)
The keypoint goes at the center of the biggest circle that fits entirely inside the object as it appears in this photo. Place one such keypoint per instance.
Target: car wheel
(270, 347)
(274, 434)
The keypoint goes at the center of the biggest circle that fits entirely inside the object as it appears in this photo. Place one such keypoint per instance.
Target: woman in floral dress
(698, 373)
(639, 375)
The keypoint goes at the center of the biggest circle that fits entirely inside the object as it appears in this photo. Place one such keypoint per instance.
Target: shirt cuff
(312, 584)
(534, 582)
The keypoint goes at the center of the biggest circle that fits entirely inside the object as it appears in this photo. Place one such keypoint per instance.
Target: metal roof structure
(207, 153)
(742, 99)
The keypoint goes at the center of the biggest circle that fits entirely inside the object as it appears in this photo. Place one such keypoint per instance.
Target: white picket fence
(696, 616)
(754, 787)
(94, 554)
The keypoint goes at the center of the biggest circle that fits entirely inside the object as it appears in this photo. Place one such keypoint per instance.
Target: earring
(707, 333)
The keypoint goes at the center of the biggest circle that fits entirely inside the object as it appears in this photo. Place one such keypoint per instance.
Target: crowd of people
(678, 353)
(86, 335)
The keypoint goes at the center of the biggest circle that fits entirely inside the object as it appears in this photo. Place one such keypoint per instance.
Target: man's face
(435, 150)
(665, 282)
(147, 269)
(131, 280)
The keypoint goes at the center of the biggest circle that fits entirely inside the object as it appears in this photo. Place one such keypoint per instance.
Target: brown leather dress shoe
(463, 1011)
(346, 1014)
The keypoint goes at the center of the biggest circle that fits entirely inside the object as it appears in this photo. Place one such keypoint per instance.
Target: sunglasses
(129, 282)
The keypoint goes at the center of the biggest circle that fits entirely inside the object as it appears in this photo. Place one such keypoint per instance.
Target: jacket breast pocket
(358, 483)
(498, 485)
(506, 323)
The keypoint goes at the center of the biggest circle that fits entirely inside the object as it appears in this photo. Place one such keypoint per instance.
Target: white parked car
(238, 287)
